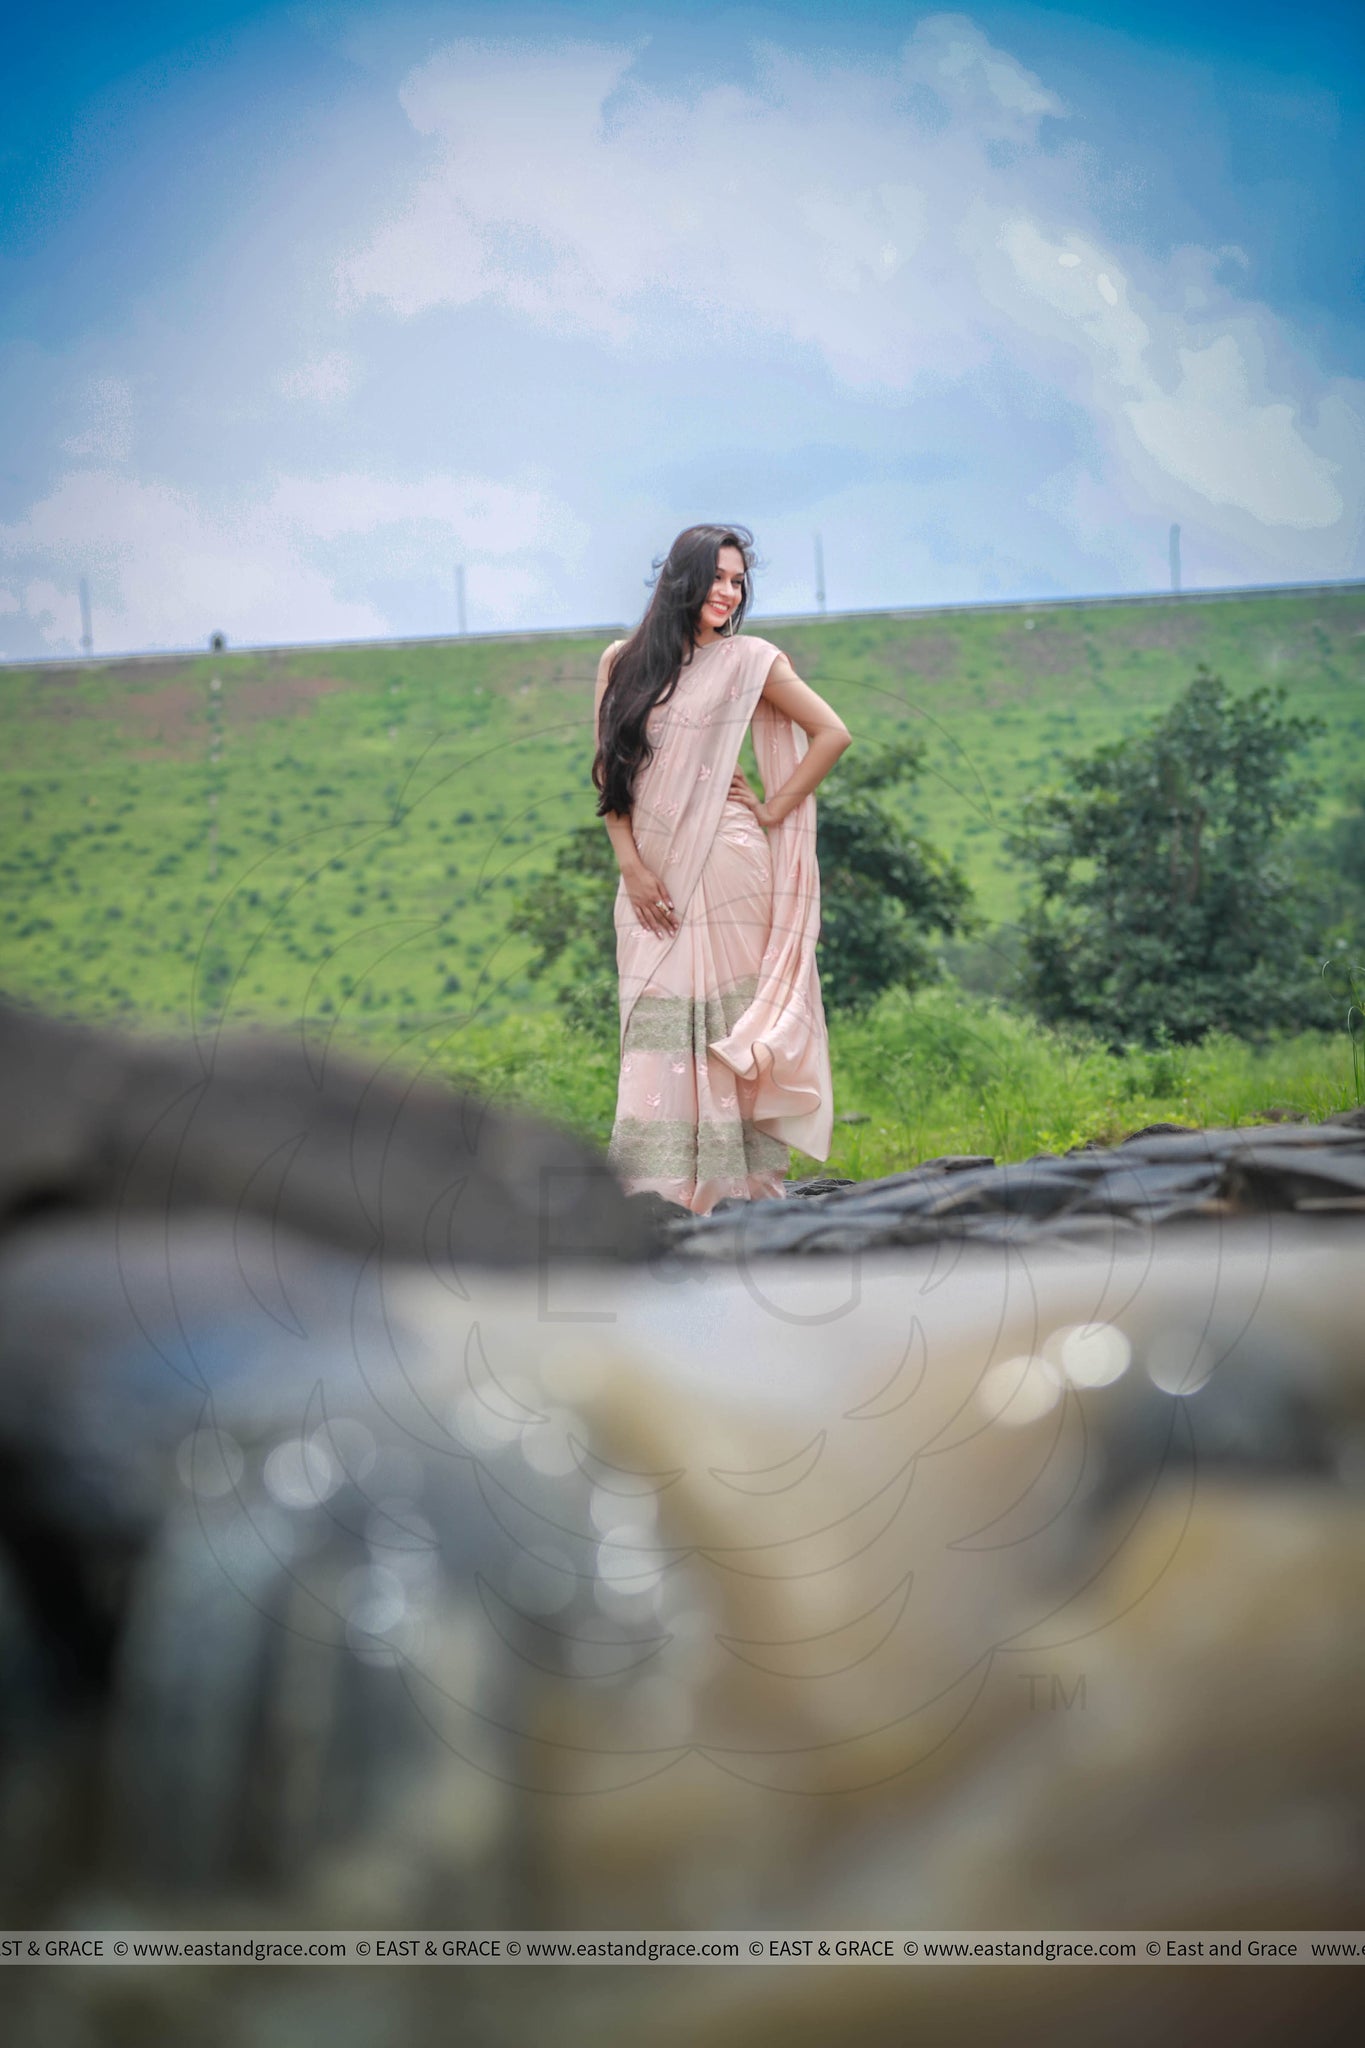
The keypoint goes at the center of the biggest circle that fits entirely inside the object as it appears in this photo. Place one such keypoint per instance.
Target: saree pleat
(724, 1050)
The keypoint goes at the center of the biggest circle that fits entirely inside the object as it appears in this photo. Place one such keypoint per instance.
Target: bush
(1165, 899)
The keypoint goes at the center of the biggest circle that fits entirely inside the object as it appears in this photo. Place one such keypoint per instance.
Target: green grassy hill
(336, 836)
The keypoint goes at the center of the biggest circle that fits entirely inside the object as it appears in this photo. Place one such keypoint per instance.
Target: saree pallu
(724, 1046)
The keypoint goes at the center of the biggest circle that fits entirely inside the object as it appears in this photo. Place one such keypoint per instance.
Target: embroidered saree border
(683, 1150)
(686, 1023)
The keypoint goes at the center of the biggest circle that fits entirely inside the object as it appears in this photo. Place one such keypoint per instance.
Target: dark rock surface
(267, 1126)
(1163, 1174)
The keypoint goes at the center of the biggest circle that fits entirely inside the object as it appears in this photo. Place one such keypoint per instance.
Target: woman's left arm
(826, 731)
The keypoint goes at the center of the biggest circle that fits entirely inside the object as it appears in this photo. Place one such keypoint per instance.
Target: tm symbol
(1046, 1689)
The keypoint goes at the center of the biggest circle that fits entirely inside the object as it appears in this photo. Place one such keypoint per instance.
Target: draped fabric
(724, 1046)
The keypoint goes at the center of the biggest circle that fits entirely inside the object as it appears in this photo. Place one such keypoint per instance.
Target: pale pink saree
(724, 1048)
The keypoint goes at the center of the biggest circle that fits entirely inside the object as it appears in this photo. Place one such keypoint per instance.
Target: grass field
(332, 839)
(941, 1072)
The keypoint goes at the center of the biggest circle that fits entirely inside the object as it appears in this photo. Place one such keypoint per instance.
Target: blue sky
(301, 306)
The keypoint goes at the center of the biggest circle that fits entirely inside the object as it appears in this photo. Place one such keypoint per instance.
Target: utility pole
(459, 596)
(1175, 561)
(87, 631)
(819, 575)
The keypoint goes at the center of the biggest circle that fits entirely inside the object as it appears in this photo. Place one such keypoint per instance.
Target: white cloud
(816, 206)
(105, 430)
(45, 603)
(166, 572)
(794, 210)
(1206, 426)
(953, 56)
(323, 380)
(482, 516)
(1060, 293)
(822, 207)
(1211, 434)
(166, 569)
(868, 256)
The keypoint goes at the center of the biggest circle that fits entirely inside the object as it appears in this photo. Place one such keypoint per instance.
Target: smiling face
(727, 589)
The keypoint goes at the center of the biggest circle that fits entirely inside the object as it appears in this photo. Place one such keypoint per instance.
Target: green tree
(1166, 904)
(1332, 867)
(567, 914)
(882, 891)
(1331, 862)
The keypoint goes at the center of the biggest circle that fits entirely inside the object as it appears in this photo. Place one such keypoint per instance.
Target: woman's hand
(652, 903)
(741, 790)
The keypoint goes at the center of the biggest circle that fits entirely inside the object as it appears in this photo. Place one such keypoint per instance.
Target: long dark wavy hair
(645, 670)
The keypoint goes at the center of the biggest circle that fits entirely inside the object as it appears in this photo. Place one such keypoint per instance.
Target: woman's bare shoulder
(605, 659)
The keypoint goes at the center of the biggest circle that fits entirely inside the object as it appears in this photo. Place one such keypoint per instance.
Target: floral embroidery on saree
(686, 1023)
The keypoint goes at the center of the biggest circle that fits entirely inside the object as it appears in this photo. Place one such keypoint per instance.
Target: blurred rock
(368, 1160)
(960, 1585)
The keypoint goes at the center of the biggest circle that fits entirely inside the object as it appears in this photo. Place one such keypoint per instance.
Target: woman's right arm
(642, 885)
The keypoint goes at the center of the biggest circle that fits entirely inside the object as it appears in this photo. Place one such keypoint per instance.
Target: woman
(724, 1050)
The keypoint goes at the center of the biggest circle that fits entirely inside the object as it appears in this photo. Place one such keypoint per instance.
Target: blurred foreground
(391, 1537)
